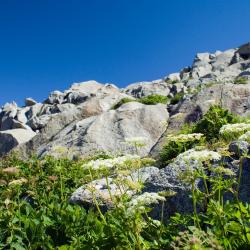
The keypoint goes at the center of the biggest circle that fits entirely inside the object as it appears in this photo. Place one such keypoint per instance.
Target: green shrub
(241, 80)
(176, 98)
(212, 121)
(147, 100)
(175, 147)
(172, 150)
(122, 101)
(168, 81)
(37, 215)
(154, 99)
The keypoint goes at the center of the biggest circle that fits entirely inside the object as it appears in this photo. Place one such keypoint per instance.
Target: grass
(123, 101)
(147, 100)
(241, 80)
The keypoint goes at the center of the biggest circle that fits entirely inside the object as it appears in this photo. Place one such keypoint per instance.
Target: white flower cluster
(139, 203)
(18, 182)
(186, 137)
(203, 155)
(245, 137)
(136, 140)
(234, 128)
(110, 163)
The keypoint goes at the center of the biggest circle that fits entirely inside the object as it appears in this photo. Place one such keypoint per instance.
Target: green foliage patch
(154, 99)
(209, 125)
(241, 80)
(35, 212)
(147, 100)
(123, 101)
(176, 98)
(212, 121)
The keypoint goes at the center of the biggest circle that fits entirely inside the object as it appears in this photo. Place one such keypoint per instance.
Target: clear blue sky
(48, 44)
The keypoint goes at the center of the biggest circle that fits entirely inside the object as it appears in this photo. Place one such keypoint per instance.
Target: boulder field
(82, 118)
(86, 119)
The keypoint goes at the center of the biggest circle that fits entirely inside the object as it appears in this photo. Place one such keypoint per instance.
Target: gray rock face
(244, 51)
(239, 148)
(142, 89)
(11, 138)
(81, 117)
(29, 102)
(109, 130)
(170, 179)
(167, 179)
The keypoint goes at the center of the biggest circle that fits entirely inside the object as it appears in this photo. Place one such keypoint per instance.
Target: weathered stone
(108, 131)
(11, 138)
(30, 102)
(244, 51)
(239, 148)
(142, 89)
(56, 97)
(174, 77)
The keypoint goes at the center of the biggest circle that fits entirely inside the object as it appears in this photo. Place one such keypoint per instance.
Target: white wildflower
(18, 182)
(186, 137)
(110, 163)
(222, 170)
(137, 141)
(245, 137)
(157, 223)
(203, 155)
(139, 203)
(234, 128)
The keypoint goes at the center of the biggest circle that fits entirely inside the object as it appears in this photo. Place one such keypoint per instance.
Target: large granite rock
(109, 130)
(12, 138)
(142, 89)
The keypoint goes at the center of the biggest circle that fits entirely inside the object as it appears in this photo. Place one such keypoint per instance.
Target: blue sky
(48, 44)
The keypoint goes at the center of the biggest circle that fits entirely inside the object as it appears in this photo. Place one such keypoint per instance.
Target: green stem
(237, 198)
(108, 186)
(196, 218)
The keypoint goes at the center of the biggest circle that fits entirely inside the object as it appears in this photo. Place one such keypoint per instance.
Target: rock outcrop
(85, 119)
(82, 118)
(11, 138)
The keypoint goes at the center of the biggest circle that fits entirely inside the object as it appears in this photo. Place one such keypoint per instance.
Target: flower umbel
(201, 156)
(186, 137)
(234, 128)
(110, 163)
(140, 202)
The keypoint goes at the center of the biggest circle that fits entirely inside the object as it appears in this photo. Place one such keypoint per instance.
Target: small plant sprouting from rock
(241, 80)
(154, 99)
(176, 98)
(212, 121)
(147, 100)
(122, 101)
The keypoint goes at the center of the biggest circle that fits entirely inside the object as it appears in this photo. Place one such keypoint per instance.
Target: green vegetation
(209, 126)
(123, 101)
(148, 100)
(179, 144)
(241, 80)
(176, 98)
(35, 212)
(154, 99)
(212, 121)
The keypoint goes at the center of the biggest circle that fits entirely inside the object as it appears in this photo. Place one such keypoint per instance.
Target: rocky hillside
(91, 117)
(156, 165)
